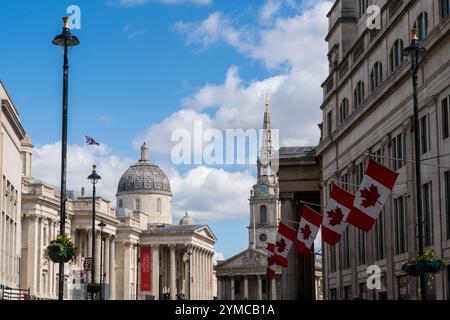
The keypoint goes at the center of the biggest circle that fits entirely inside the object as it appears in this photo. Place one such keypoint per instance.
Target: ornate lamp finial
(66, 22)
(415, 34)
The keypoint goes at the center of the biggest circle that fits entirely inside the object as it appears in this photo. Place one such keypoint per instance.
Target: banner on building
(146, 268)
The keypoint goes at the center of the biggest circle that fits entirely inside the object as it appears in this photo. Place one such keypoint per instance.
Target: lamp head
(102, 225)
(94, 177)
(415, 47)
(65, 38)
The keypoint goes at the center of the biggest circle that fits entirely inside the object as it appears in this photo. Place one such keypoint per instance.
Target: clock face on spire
(263, 189)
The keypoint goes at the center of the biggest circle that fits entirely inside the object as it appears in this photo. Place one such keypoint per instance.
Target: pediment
(206, 232)
(250, 258)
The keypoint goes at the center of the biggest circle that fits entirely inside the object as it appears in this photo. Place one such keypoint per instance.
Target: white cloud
(131, 32)
(268, 10)
(211, 194)
(47, 163)
(159, 135)
(296, 90)
(218, 256)
(133, 3)
(197, 2)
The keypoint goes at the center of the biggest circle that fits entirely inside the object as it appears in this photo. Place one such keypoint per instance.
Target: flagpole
(82, 170)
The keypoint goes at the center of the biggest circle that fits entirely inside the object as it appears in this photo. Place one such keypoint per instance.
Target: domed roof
(144, 177)
(187, 220)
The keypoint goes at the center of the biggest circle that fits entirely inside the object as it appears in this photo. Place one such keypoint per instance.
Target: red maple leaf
(335, 216)
(270, 260)
(281, 245)
(370, 196)
(306, 231)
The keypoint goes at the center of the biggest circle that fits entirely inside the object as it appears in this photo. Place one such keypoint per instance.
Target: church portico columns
(273, 289)
(173, 287)
(245, 287)
(259, 287)
(231, 288)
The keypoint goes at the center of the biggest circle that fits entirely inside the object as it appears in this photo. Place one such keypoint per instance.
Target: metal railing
(7, 293)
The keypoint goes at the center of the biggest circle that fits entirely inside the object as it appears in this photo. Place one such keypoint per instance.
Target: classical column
(202, 274)
(155, 270)
(231, 288)
(127, 263)
(259, 289)
(32, 253)
(106, 263)
(245, 287)
(273, 289)
(194, 274)
(219, 289)
(112, 275)
(97, 257)
(186, 275)
(173, 285)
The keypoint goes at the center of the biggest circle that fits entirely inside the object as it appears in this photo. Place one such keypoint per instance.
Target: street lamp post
(414, 51)
(102, 226)
(94, 178)
(65, 40)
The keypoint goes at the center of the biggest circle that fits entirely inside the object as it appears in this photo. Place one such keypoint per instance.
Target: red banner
(146, 268)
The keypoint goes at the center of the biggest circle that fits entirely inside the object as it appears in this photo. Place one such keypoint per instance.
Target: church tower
(265, 207)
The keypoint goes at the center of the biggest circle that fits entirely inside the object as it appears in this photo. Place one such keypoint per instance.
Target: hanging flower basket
(61, 249)
(93, 287)
(428, 263)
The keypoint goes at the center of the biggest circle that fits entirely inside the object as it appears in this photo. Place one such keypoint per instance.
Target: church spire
(266, 148)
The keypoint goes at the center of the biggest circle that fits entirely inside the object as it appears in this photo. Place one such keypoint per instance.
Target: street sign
(87, 264)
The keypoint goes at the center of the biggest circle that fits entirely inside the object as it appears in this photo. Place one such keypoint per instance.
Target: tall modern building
(367, 111)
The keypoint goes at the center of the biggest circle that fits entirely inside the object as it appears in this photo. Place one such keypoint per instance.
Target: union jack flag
(91, 142)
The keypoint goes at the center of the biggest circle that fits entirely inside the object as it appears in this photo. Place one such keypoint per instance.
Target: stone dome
(144, 177)
(187, 220)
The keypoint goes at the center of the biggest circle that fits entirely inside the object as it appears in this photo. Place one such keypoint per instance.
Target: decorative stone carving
(251, 258)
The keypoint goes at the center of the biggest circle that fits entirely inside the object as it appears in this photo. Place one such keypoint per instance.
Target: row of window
(376, 74)
(137, 205)
(403, 289)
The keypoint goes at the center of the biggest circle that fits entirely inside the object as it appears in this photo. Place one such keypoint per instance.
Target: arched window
(158, 205)
(363, 5)
(445, 9)
(358, 94)
(376, 76)
(343, 110)
(263, 214)
(120, 203)
(137, 205)
(422, 25)
(396, 55)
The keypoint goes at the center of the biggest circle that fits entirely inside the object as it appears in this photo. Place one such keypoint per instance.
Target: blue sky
(146, 67)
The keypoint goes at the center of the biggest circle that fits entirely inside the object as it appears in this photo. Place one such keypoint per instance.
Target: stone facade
(299, 179)
(11, 136)
(367, 110)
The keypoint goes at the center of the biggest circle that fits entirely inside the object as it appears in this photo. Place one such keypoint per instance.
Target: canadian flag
(270, 261)
(375, 188)
(285, 238)
(308, 229)
(335, 216)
